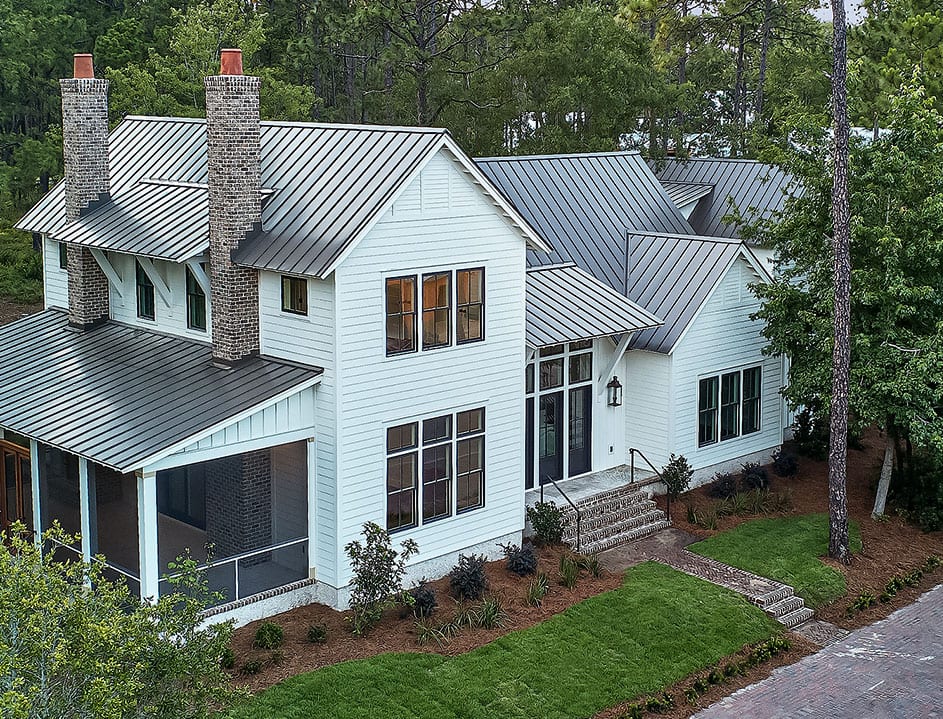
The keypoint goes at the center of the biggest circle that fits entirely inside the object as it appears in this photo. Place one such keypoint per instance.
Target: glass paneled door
(16, 502)
(550, 437)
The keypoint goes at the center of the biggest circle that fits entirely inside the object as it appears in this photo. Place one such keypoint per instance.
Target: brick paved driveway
(893, 668)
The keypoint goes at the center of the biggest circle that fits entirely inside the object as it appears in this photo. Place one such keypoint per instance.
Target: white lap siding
(443, 223)
(55, 279)
(310, 339)
(721, 339)
(648, 399)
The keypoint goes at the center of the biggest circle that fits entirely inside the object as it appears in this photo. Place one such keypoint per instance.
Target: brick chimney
(85, 149)
(235, 205)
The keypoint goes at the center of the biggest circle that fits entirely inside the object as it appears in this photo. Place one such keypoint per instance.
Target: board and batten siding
(444, 230)
(310, 339)
(723, 338)
(55, 279)
(647, 397)
(172, 319)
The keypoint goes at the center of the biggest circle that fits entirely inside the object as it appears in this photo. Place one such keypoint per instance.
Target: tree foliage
(75, 645)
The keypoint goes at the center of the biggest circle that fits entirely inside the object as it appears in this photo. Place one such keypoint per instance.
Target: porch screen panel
(116, 500)
(59, 500)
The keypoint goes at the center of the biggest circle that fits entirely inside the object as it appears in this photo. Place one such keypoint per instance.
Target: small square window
(63, 256)
(294, 295)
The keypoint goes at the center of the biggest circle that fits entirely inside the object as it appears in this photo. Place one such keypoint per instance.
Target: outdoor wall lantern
(614, 389)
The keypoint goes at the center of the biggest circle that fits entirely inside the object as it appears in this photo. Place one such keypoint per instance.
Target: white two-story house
(259, 336)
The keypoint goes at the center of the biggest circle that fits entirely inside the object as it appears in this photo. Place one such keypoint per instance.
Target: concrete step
(794, 619)
(777, 595)
(604, 518)
(619, 526)
(624, 537)
(784, 606)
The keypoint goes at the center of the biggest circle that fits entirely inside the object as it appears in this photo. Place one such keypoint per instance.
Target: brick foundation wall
(239, 503)
(235, 208)
(87, 179)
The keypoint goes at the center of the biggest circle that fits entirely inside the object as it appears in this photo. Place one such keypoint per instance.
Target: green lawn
(786, 549)
(658, 627)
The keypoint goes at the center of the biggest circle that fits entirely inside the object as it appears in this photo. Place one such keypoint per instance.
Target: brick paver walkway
(893, 668)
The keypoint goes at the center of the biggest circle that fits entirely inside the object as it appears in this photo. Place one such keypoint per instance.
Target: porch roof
(119, 395)
(566, 304)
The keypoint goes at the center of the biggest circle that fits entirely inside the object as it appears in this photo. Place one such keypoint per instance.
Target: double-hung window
(400, 315)
(447, 317)
(728, 405)
(145, 293)
(196, 303)
(435, 468)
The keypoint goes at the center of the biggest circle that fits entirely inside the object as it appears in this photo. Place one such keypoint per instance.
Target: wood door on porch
(16, 500)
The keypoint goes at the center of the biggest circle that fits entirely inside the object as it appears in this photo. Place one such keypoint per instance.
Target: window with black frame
(470, 303)
(400, 315)
(436, 310)
(145, 293)
(196, 303)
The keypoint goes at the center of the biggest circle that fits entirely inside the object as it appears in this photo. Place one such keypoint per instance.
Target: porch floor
(589, 485)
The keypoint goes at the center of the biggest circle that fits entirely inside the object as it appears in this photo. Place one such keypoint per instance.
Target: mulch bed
(890, 547)
(396, 634)
(10, 312)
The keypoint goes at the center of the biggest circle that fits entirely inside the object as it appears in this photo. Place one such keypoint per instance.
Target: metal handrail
(236, 558)
(579, 515)
(632, 452)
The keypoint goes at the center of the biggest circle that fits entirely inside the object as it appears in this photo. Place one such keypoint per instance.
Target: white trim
(148, 559)
(85, 510)
(202, 434)
(311, 448)
(616, 359)
(154, 276)
(446, 142)
(199, 275)
(183, 458)
(111, 273)
(34, 479)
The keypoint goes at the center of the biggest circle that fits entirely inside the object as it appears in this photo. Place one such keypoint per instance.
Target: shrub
(860, 603)
(467, 578)
(700, 685)
(785, 463)
(753, 476)
(537, 590)
(692, 515)
(489, 614)
(520, 560)
(269, 635)
(758, 501)
(932, 563)
(633, 711)
(780, 502)
(228, 660)
(548, 521)
(426, 633)
(317, 633)
(569, 571)
(378, 571)
(691, 694)
(722, 486)
(677, 475)
(660, 704)
(810, 434)
(715, 676)
(252, 666)
(707, 517)
(422, 600)
(740, 504)
(589, 563)
(277, 656)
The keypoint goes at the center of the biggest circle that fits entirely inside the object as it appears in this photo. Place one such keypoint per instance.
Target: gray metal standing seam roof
(684, 193)
(118, 395)
(327, 183)
(583, 204)
(566, 304)
(757, 190)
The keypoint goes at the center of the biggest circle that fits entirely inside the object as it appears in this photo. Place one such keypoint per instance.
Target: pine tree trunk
(841, 243)
(764, 53)
(880, 499)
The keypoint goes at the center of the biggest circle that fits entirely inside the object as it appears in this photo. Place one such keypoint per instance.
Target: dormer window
(295, 295)
(145, 293)
(196, 303)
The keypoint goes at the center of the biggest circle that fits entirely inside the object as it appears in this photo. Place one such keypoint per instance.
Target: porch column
(147, 535)
(34, 478)
(88, 510)
(312, 447)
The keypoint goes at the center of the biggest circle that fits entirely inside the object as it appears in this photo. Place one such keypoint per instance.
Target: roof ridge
(693, 238)
(562, 156)
(713, 159)
(296, 123)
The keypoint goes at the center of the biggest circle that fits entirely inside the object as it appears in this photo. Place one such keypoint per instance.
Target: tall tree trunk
(738, 97)
(880, 499)
(764, 52)
(841, 244)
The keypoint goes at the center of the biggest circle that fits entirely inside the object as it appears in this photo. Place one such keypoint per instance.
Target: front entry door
(16, 501)
(550, 436)
(580, 430)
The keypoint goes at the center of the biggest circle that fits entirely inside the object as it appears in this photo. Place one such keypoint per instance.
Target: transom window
(728, 405)
(145, 293)
(196, 303)
(450, 477)
(447, 318)
(294, 295)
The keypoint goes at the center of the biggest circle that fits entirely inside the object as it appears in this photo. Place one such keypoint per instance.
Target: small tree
(74, 644)
(378, 576)
(677, 477)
